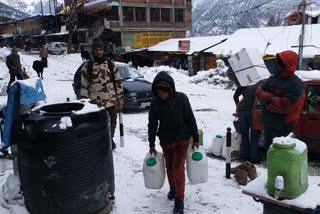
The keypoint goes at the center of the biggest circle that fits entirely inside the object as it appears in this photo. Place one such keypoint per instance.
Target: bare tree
(71, 20)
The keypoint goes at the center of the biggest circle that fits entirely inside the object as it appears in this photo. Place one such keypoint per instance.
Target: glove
(195, 144)
(152, 150)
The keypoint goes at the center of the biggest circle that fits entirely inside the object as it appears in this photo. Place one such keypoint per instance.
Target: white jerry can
(235, 146)
(197, 165)
(217, 145)
(154, 171)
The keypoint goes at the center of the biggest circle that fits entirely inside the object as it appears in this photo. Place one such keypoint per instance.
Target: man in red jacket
(282, 96)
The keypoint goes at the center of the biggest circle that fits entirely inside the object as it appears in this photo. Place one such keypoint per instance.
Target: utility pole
(303, 4)
(41, 7)
(50, 6)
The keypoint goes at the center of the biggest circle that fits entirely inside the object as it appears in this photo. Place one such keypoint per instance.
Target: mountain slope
(214, 17)
(31, 7)
(10, 12)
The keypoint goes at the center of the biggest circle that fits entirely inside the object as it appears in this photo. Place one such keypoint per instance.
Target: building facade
(139, 23)
(311, 17)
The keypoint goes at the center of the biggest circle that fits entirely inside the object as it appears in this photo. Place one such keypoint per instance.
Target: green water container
(200, 132)
(287, 161)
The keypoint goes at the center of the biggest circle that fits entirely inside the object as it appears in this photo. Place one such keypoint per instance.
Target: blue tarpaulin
(22, 92)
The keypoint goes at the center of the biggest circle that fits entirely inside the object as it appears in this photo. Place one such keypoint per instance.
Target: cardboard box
(248, 66)
(252, 75)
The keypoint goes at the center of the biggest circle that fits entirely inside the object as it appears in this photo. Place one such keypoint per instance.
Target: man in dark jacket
(172, 119)
(14, 66)
(249, 142)
(282, 96)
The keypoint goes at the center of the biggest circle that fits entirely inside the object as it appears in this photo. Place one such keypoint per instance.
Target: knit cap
(14, 49)
(97, 43)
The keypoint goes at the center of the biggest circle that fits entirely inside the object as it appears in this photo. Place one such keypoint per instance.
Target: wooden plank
(266, 199)
(276, 202)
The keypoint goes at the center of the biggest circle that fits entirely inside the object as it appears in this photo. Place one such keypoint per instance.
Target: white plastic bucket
(197, 165)
(235, 146)
(154, 171)
(217, 145)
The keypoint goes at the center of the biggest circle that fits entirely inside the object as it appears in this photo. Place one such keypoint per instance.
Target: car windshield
(128, 72)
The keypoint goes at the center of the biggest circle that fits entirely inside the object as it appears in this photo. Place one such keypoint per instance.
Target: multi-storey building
(138, 23)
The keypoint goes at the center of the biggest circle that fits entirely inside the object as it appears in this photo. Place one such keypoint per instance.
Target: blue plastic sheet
(22, 92)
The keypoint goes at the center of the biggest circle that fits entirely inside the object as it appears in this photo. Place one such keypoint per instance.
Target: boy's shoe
(178, 207)
(172, 193)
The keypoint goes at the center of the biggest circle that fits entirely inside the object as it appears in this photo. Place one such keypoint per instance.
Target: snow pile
(4, 52)
(149, 74)
(12, 192)
(87, 108)
(300, 146)
(216, 78)
(31, 82)
(65, 122)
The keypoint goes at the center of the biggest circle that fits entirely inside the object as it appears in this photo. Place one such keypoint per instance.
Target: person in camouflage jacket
(102, 84)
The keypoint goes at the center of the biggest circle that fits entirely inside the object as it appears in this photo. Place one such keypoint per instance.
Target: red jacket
(282, 94)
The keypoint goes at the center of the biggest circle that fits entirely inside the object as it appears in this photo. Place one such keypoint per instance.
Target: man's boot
(178, 207)
(172, 193)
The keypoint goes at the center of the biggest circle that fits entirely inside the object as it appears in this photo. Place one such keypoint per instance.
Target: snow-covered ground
(213, 108)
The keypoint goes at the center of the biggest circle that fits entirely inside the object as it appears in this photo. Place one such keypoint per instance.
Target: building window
(128, 14)
(165, 14)
(155, 14)
(140, 14)
(179, 15)
(314, 20)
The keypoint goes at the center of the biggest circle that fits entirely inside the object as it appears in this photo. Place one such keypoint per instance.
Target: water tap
(279, 186)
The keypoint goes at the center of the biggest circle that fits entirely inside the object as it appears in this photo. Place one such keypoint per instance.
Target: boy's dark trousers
(13, 77)
(175, 155)
(271, 133)
(249, 137)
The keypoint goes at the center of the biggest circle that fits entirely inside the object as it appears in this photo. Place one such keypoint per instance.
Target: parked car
(57, 47)
(137, 91)
(307, 127)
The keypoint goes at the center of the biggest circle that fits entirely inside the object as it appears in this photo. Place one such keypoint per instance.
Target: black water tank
(65, 171)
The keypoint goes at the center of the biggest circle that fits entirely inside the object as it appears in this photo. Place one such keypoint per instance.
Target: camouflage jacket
(101, 86)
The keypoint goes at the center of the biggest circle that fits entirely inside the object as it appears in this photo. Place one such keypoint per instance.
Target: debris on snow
(12, 191)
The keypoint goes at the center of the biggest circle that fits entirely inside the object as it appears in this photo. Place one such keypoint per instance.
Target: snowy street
(213, 107)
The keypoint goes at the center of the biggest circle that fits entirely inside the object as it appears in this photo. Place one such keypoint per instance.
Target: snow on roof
(98, 2)
(196, 44)
(271, 40)
(308, 75)
(314, 13)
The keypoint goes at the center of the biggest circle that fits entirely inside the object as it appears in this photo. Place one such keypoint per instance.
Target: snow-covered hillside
(32, 7)
(215, 17)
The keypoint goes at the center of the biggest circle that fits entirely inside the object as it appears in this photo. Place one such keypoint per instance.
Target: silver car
(57, 47)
